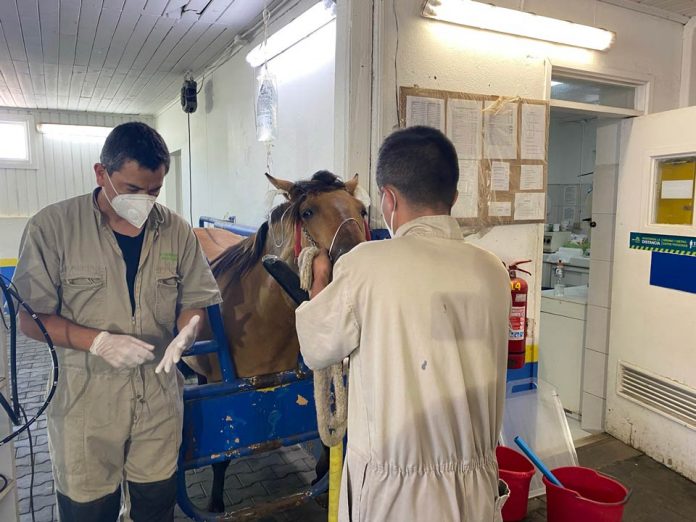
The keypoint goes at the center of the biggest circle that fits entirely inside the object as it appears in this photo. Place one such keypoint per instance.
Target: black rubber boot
(153, 501)
(103, 509)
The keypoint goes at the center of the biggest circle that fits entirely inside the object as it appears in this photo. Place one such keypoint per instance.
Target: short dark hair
(134, 141)
(422, 164)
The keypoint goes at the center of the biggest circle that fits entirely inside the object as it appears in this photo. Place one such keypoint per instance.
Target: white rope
(331, 423)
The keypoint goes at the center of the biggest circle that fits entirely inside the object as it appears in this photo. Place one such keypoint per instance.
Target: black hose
(14, 414)
(9, 294)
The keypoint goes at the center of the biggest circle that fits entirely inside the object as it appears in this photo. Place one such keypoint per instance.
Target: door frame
(174, 198)
(598, 312)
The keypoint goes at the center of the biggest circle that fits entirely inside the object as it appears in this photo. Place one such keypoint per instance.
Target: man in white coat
(424, 319)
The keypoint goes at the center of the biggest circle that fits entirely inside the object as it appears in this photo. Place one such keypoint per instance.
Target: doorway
(578, 239)
(172, 190)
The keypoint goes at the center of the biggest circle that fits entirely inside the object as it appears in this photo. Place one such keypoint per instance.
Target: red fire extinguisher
(517, 337)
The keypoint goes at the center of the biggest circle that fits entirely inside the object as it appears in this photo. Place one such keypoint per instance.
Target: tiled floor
(262, 478)
(248, 481)
(658, 493)
(576, 431)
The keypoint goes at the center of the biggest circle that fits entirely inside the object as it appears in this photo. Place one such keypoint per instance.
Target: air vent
(659, 394)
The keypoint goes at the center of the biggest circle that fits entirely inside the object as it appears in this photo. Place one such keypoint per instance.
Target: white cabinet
(8, 497)
(561, 343)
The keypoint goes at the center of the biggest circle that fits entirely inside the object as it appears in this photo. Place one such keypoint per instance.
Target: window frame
(32, 162)
(655, 185)
(642, 83)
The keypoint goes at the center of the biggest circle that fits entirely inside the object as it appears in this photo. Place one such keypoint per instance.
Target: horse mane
(241, 258)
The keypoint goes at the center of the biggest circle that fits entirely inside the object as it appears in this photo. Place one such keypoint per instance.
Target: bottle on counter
(558, 281)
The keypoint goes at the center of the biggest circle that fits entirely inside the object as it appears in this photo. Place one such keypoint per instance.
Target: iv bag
(266, 107)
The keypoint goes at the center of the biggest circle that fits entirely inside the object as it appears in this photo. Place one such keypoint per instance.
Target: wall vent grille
(659, 394)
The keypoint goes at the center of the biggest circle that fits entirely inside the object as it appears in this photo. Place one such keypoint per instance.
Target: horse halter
(300, 229)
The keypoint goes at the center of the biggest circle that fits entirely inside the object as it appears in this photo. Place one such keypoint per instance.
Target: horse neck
(280, 241)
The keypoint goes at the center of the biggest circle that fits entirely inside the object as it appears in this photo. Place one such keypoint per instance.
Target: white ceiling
(129, 56)
(120, 56)
(682, 7)
(676, 10)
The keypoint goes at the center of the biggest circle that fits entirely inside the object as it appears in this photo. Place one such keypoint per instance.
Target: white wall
(228, 162)
(444, 56)
(571, 151)
(10, 235)
(64, 170)
(571, 158)
(644, 44)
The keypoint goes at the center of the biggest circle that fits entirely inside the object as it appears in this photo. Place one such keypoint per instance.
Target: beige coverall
(104, 421)
(424, 319)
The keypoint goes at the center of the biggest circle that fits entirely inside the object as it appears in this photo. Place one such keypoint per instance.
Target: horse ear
(280, 184)
(352, 185)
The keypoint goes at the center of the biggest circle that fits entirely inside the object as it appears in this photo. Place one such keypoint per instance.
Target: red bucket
(517, 472)
(586, 495)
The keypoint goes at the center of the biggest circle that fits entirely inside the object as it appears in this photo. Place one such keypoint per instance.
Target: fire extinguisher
(517, 337)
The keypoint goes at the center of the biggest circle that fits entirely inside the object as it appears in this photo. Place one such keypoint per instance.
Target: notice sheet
(529, 206)
(533, 133)
(425, 111)
(500, 176)
(500, 132)
(466, 205)
(532, 177)
(464, 127)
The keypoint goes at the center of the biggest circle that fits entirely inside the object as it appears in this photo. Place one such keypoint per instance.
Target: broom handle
(537, 462)
(335, 472)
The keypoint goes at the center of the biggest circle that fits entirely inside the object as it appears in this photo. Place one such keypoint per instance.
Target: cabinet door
(560, 357)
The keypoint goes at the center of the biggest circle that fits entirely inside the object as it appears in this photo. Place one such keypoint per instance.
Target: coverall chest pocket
(166, 297)
(83, 294)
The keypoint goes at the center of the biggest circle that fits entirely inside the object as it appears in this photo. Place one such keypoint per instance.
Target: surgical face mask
(134, 208)
(390, 224)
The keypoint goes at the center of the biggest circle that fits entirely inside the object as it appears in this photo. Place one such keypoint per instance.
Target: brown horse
(259, 319)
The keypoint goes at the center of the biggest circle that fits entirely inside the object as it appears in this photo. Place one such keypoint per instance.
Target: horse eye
(363, 213)
(307, 213)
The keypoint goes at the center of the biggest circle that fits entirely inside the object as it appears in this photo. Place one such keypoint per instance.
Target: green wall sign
(681, 245)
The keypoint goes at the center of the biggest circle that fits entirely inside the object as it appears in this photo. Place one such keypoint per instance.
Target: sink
(568, 256)
(583, 262)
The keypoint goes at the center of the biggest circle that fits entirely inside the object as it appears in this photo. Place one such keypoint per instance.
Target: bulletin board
(502, 145)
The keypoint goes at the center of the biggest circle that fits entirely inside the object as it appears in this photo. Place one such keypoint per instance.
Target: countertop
(573, 294)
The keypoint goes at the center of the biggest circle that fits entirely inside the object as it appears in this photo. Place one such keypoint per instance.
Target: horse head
(325, 213)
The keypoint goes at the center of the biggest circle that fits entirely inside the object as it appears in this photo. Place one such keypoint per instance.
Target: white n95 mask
(134, 208)
(390, 223)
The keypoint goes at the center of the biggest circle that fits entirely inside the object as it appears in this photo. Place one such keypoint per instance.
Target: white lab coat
(424, 318)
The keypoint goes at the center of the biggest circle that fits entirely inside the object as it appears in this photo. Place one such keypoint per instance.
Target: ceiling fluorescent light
(59, 129)
(301, 27)
(489, 17)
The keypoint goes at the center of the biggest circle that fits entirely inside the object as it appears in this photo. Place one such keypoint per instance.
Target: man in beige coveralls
(111, 274)
(424, 319)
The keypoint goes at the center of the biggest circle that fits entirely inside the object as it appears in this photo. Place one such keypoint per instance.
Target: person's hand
(321, 272)
(121, 351)
(181, 343)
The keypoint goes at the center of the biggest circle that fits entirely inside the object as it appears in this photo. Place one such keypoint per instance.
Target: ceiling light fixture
(59, 129)
(300, 28)
(502, 20)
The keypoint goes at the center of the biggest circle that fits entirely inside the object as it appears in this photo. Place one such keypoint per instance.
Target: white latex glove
(121, 351)
(181, 343)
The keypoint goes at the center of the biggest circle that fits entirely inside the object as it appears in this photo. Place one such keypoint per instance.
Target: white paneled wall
(64, 163)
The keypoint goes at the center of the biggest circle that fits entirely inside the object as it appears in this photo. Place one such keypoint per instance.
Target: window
(612, 96)
(16, 141)
(674, 191)
(595, 93)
